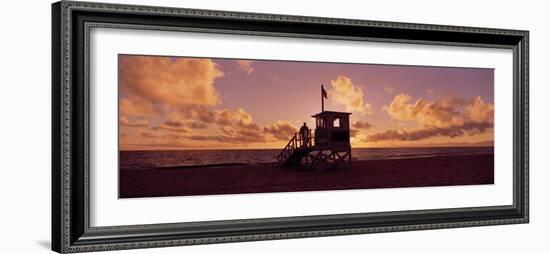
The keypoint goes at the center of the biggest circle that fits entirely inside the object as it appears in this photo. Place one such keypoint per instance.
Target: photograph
(206, 126)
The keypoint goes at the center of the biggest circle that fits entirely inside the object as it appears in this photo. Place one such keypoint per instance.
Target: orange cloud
(208, 126)
(219, 116)
(466, 128)
(479, 110)
(344, 92)
(246, 66)
(234, 126)
(137, 106)
(167, 127)
(201, 118)
(137, 123)
(229, 116)
(248, 133)
(224, 127)
(440, 113)
(168, 82)
(185, 118)
(281, 130)
(450, 117)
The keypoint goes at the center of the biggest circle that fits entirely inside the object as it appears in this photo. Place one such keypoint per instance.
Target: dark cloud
(178, 124)
(148, 135)
(173, 123)
(361, 125)
(197, 125)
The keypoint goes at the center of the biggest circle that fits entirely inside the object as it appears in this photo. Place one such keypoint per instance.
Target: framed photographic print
(181, 126)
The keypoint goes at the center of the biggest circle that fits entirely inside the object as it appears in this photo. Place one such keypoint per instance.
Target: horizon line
(378, 147)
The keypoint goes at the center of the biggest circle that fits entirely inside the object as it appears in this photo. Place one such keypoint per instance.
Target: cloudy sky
(199, 103)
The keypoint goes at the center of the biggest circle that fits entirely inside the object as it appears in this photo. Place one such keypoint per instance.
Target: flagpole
(322, 99)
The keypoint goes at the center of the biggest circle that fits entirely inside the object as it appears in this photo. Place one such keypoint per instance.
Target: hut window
(337, 122)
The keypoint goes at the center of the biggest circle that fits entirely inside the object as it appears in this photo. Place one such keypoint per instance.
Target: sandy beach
(366, 174)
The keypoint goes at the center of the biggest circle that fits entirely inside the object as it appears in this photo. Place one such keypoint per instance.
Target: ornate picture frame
(71, 24)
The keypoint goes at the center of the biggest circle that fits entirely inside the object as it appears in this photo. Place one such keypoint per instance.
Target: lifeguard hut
(327, 145)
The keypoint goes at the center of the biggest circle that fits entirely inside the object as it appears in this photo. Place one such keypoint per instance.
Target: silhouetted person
(304, 135)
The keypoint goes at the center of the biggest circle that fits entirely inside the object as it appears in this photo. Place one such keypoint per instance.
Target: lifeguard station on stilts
(328, 146)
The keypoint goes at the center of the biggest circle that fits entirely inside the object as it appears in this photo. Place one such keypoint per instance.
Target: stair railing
(295, 142)
(288, 150)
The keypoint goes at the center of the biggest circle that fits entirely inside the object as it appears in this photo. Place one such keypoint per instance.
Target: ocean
(135, 160)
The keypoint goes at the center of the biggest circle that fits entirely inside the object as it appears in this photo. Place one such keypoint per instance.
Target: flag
(323, 92)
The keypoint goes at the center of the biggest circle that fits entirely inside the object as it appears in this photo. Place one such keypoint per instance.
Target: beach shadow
(44, 244)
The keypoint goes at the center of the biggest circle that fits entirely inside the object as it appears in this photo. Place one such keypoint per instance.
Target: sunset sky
(200, 103)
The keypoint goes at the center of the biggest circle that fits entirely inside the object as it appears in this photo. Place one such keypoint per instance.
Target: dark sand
(413, 172)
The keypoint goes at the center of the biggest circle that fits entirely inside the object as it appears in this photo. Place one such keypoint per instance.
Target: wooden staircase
(294, 151)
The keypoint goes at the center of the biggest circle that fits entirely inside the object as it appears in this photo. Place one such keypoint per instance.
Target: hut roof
(331, 113)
